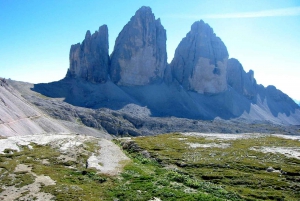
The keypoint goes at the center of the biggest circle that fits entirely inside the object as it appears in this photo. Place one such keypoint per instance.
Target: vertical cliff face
(139, 56)
(90, 60)
(200, 65)
(200, 61)
(244, 83)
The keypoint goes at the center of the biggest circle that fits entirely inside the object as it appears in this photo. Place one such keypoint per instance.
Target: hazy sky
(264, 35)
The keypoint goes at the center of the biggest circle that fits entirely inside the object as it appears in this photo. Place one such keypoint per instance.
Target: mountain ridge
(201, 82)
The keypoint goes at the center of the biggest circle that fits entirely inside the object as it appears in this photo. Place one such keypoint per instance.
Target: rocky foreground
(178, 166)
(26, 162)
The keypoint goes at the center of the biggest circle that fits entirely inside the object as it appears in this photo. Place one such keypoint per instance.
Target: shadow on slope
(85, 94)
(276, 103)
(161, 99)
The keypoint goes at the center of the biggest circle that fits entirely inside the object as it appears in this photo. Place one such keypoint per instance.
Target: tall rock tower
(90, 60)
(200, 61)
(139, 56)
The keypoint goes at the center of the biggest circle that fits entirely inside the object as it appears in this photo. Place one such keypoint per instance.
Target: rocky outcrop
(200, 60)
(139, 56)
(199, 83)
(244, 83)
(90, 60)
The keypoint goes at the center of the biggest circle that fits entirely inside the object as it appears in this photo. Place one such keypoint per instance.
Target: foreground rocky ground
(187, 166)
(40, 167)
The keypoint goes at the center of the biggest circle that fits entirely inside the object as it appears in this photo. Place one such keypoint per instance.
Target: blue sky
(263, 35)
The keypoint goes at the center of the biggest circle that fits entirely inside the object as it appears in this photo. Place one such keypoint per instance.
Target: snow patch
(291, 152)
(224, 136)
(214, 145)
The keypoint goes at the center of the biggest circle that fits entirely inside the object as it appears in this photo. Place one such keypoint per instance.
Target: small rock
(270, 169)
(146, 154)
(181, 164)
(155, 199)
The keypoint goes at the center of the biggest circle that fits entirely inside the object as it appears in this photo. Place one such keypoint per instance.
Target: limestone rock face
(90, 60)
(244, 83)
(139, 56)
(200, 60)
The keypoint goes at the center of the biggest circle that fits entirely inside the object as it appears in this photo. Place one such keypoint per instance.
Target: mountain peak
(144, 9)
(200, 82)
(88, 34)
(139, 56)
(200, 60)
(89, 60)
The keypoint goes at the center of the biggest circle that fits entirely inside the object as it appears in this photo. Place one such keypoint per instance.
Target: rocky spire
(200, 61)
(242, 82)
(90, 60)
(139, 56)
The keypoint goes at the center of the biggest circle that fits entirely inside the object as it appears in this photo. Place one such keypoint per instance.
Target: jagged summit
(90, 60)
(201, 82)
(200, 60)
(139, 56)
(244, 83)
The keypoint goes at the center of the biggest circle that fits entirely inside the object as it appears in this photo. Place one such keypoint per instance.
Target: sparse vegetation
(237, 167)
(175, 171)
(145, 178)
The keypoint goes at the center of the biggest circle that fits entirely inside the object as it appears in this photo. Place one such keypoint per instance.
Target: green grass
(145, 178)
(237, 168)
(176, 172)
(77, 183)
(142, 178)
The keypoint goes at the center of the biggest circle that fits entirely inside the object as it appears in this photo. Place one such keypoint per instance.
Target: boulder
(139, 56)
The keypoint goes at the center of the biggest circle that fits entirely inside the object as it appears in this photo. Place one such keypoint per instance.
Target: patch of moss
(23, 179)
(17, 180)
(230, 173)
(144, 179)
(91, 146)
(75, 183)
(237, 167)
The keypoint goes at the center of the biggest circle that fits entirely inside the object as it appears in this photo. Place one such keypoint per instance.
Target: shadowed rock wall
(90, 60)
(200, 61)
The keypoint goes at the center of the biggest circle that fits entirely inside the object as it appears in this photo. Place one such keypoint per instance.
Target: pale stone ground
(64, 141)
(221, 145)
(224, 136)
(293, 152)
(31, 191)
(109, 159)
